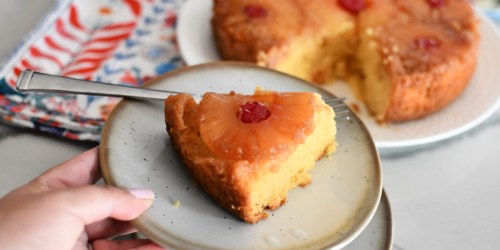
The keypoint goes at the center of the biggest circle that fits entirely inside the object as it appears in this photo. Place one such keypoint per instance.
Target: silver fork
(340, 108)
(31, 81)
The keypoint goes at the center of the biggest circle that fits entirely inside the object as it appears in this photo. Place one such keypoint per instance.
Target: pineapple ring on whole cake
(248, 151)
(404, 58)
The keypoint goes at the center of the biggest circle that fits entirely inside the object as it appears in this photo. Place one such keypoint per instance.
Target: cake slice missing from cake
(405, 59)
(248, 151)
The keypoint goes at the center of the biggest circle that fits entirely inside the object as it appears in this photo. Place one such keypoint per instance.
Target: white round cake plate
(478, 102)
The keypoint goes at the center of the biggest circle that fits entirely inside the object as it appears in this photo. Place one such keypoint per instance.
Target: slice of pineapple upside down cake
(248, 151)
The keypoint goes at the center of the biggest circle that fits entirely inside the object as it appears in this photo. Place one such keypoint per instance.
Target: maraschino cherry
(253, 112)
(352, 6)
(255, 11)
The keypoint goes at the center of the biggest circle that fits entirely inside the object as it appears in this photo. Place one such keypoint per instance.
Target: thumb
(95, 203)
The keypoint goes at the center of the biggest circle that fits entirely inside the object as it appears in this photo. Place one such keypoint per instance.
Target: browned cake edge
(206, 170)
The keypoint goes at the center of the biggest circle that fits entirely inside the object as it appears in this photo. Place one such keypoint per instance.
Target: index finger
(79, 171)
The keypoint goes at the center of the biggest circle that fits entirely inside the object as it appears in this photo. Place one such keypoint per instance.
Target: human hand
(60, 209)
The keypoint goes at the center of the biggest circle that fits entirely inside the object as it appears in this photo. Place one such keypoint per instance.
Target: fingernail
(141, 193)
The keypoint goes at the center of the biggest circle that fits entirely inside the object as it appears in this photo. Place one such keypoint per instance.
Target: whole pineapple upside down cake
(248, 151)
(404, 59)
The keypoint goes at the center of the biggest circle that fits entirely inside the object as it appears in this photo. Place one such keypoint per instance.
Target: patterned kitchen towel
(115, 41)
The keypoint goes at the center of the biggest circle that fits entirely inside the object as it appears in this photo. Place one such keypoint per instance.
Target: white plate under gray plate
(330, 212)
(479, 101)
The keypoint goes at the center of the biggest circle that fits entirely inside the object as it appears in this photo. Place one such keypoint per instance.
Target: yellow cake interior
(317, 57)
(269, 188)
(375, 87)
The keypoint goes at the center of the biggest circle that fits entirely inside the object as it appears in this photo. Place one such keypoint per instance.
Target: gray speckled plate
(330, 212)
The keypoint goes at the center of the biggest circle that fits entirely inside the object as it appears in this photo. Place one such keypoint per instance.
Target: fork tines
(340, 107)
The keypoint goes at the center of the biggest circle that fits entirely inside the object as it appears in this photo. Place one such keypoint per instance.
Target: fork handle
(30, 80)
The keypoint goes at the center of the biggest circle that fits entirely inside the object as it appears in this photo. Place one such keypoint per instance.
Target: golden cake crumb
(177, 204)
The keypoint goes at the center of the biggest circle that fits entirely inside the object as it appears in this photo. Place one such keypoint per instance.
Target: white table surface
(444, 195)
